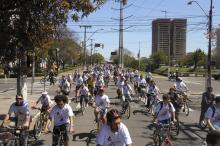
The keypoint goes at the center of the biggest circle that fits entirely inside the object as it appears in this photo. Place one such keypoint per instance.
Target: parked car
(216, 76)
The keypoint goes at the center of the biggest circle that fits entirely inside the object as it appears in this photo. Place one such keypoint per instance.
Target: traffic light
(113, 53)
(97, 45)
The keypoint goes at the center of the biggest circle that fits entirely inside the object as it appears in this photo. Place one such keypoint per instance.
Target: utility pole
(165, 13)
(210, 45)
(91, 45)
(121, 35)
(84, 43)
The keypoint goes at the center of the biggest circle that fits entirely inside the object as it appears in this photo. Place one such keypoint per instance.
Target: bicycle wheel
(186, 108)
(156, 138)
(128, 110)
(83, 106)
(38, 126)
(203, 124)
(175, 129)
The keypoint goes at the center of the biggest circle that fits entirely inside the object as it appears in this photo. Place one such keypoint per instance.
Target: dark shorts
(58, 131)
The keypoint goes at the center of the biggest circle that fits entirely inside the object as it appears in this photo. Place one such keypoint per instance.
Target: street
(139, 124)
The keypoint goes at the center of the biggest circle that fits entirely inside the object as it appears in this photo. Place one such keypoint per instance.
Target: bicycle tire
(156, 138)
(203, 124)
(186, 107)
(37, 128)
(83, 106)
(128, 110)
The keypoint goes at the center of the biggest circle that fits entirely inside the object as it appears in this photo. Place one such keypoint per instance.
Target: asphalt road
(139, 125)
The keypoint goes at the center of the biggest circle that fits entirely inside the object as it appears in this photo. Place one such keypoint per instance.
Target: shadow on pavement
(89, 138)
(37, 143)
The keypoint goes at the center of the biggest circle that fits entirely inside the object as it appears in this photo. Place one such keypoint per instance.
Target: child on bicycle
(62, 115)
(164, 111)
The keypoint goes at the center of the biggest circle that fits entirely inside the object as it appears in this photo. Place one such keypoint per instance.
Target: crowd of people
(90, 87)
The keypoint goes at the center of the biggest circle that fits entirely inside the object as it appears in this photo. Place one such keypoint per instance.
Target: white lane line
(192, 82)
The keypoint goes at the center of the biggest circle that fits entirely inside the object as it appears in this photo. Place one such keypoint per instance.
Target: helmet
(112, 115)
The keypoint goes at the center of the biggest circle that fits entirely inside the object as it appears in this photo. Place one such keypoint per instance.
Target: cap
(44, 93)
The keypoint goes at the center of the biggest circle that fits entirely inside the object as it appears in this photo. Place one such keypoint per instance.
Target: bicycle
(161, 135)
(14, 136)
(40, 123)
(61, 130)
(185, 103)
(126, 108)
(83, 102)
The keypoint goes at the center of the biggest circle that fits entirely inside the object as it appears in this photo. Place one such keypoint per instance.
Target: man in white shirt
(180, 86)
(152, 92)
(102, 103)
(83, 93)
(213, 115)
(114, 133)
(62, 115)
(120, 85)
(79, 82)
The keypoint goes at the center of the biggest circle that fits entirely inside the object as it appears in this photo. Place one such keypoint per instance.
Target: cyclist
(120, 85)
(213, 115)
(98, 84)
(207, 100)
(79, 82)
(22, 117)
(114, 132)
(181, 87)
(101, 104)
(127, 91)
(152, 90)
(164, 111)
(83, 93)
(52, 77)
(62, 115)
(65, 87)
(131, 74)
(142, 84)
(46, 103)
(176, 101)
(75, 76)
(91, 84)
(136, 79)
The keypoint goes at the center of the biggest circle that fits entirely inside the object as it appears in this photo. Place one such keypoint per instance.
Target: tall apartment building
(169, 35)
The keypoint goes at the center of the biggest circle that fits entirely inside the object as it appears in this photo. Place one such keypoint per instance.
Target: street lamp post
(209, 16)
(57, 49)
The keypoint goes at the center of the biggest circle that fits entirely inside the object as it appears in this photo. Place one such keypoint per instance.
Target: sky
(140, 14)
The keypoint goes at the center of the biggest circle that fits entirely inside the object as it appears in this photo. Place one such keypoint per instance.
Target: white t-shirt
(153, 90)
(18, 110)
(102, 101)
(142, 82)
(99, 82)
(180, 86)
(61, 116)
(120, 84)
(127, 90)
(83, 90)
(164, 113)
(45, 101)
(216, 118)
(107, 138)
(79, 81)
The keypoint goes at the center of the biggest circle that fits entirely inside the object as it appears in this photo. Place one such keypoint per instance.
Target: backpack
(161, 106)
(213, 110)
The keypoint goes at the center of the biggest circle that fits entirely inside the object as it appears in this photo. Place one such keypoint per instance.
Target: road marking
(193, 82)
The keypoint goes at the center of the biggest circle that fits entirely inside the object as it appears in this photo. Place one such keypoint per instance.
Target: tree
(158, 58)
(26, 25)
(97, 58)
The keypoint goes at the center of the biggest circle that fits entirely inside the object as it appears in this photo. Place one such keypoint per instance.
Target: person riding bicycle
(101, 104)
(120, 85)
(114, 132)
(79, 82)
(213, 115)
(22, 117)
(52, 76)
(65, 87)
(46, 104)
(91, 84)
(98, 84)
(181, 87)
(62, 115)
(152, 90)
(164, 111)
(75, 76)
(176, 101)
(207, 100)
(142, 84)
(83, 93)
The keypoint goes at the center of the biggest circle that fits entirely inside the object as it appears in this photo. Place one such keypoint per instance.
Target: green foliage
(158, 58)
(97, 58)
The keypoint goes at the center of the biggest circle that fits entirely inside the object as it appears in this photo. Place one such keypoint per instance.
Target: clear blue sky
(143, 12)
